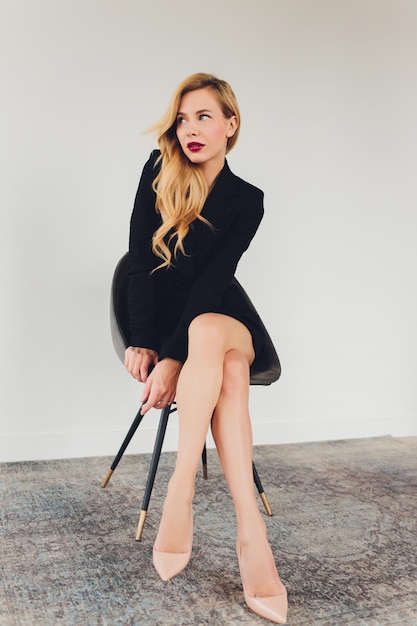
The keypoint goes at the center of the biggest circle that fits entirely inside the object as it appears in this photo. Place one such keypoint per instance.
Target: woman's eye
(180, 120)
(204, 116)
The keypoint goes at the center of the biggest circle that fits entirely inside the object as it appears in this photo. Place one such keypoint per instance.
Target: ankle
(180, 490)
(250, 530)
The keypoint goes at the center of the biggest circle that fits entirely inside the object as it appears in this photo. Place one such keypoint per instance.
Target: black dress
(163, 304)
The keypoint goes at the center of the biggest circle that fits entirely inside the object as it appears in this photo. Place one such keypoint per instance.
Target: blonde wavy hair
(180, 187)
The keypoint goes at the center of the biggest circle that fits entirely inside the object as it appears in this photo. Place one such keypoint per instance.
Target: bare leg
(211, 336)
(232, 433)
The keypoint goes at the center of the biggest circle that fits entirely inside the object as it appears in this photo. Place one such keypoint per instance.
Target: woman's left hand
(161, 385)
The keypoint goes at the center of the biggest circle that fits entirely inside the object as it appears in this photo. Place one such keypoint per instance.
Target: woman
(191, 222)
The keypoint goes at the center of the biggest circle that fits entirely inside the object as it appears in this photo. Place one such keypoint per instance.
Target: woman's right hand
(138, 362)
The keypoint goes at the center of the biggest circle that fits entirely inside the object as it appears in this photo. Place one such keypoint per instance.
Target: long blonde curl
(180, 187)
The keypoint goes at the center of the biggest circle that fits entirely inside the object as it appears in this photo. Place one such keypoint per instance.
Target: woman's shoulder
(155, 155)
(247, 187)
(152, 165)
(243, 186)
(243, 199)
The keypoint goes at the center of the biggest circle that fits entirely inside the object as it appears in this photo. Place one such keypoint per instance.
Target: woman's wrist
(176, 365)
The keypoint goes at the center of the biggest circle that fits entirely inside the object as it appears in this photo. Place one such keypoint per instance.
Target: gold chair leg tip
(107, 478)
(266, 504)
(141, 524)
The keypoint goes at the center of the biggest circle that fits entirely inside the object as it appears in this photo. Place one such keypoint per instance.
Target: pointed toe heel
(273, 608)
(170, 564)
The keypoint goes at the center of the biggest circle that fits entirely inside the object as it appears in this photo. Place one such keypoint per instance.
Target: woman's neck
(211, 172)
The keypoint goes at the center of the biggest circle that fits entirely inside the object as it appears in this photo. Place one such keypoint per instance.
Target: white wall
(329, 98)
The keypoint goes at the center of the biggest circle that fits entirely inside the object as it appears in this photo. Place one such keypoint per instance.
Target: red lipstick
(194, 146)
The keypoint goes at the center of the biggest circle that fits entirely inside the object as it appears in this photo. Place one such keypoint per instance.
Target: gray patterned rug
(343, 532)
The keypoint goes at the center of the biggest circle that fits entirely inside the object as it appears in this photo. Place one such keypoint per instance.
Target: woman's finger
(149, 403)
(144, 367)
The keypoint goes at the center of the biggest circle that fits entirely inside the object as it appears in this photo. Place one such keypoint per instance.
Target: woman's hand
(161, 385)
(138, 362)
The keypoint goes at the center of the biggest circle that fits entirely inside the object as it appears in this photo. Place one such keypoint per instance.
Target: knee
(235, 373)
(205, 333)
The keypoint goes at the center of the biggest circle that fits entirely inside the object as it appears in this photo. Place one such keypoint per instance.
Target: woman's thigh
(215, 331)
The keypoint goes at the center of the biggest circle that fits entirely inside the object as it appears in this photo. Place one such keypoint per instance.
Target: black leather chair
(265, 370)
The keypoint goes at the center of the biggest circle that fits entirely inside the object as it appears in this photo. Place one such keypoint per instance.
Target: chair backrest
(265, 370)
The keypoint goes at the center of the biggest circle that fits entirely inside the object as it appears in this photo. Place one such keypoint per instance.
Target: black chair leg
(123, 447)
(261, 490)
(204, 462)
(154, 466)
(163, 422)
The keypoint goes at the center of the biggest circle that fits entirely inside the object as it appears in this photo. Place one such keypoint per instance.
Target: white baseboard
(62, 445)
(298, 431)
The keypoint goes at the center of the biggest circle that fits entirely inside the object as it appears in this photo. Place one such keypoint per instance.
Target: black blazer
(163, 304)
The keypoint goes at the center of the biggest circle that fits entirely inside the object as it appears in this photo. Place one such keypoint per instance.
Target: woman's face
(203, 131)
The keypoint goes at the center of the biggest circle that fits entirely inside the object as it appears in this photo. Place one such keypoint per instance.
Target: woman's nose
(192, 130)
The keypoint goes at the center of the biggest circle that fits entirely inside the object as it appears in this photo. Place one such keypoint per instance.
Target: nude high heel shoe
(273, 608)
